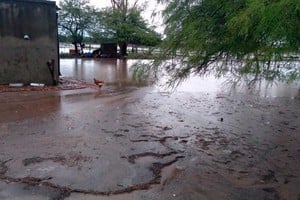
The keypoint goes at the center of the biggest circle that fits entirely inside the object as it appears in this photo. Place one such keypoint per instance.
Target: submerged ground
(202, 141)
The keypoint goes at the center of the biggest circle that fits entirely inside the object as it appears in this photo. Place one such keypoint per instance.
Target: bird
(98, 82)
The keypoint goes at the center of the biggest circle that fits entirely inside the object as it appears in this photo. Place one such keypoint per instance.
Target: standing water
(117, 72)
(203, 140)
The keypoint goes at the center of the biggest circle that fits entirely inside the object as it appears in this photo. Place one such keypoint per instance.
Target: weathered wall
(26, 60)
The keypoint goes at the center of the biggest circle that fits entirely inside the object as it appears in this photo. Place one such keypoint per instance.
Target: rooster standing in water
(98, 82)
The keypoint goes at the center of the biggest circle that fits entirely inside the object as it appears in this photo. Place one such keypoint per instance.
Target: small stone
(166, 128)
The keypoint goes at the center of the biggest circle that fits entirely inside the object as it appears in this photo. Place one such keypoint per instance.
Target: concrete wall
(24, 60)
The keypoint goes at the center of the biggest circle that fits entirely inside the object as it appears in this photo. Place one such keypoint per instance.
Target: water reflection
(110, 70)
(276, 89)
(215, 86)
(23, 105)
(117, 72)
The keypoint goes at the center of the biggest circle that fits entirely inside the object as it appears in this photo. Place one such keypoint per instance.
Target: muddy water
(202, 141)
(118, 72)
(115, 72)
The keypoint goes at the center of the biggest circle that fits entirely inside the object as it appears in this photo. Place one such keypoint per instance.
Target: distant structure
(107, 50)
(28, 42)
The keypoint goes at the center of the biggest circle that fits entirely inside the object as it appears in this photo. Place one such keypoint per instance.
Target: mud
(131, 142)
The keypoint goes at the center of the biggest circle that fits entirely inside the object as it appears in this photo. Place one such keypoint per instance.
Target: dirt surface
(172, 146)
(147, 143)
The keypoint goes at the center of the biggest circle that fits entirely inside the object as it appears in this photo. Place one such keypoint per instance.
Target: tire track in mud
(69, 161)
(133, 157)
(64, 191)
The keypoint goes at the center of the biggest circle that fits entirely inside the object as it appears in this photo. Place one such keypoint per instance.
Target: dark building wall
(109, 50)
(26, 60)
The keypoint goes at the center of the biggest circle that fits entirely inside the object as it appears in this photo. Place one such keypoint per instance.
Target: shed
(109, 50)
(29, 42)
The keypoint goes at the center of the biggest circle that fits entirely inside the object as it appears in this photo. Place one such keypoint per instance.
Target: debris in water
(16, 85)
(37, 84)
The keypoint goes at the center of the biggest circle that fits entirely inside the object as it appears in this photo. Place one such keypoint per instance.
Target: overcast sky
(151, 6)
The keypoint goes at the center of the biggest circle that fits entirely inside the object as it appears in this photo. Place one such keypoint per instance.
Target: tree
(75, 19)
(256, 37)
(124, 24)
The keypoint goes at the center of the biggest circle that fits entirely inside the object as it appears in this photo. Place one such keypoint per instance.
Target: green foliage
(75, 18)
(237, 36)
(64, 38)
(120, 23)
(123, 26)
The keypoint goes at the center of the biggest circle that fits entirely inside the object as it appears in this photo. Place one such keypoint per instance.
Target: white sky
(151, 6)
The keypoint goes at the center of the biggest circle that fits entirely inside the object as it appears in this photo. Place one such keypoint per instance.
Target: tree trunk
(123, 49)
(76, 48)
(82, 45)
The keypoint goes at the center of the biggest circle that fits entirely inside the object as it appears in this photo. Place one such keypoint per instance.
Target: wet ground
(202, 141)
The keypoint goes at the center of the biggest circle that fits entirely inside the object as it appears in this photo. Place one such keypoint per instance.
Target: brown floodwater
(113, 71)
(119, 73)
(203, 140)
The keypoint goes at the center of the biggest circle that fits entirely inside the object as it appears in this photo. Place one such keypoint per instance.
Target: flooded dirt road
(202, 141)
